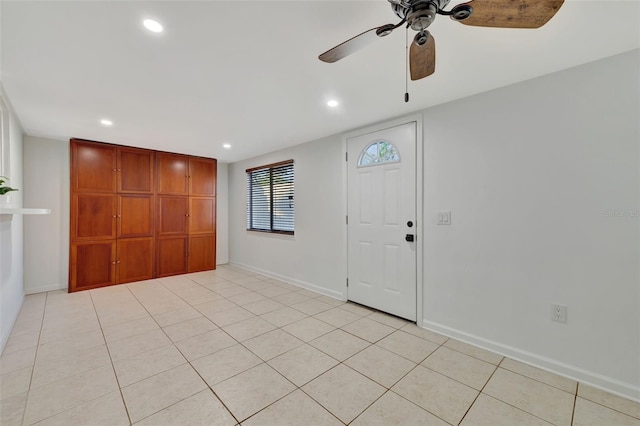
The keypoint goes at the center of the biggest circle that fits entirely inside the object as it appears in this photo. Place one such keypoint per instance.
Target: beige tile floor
(231, 347)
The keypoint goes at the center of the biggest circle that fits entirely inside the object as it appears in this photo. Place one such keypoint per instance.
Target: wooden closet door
(202, 252)
(92, 265)
(202, 176)
(134, 259)
(172, 215)
(135, 215)
(93, 216)
(172, 255)
(93, 167)
(202, 215)
(135, 170)
(173, 172)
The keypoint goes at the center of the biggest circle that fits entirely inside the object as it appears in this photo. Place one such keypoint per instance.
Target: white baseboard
(6, 333)
(625, 390)
(44, 289)
(298, 283)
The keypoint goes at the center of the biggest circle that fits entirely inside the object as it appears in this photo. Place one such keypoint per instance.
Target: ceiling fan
(419, 14)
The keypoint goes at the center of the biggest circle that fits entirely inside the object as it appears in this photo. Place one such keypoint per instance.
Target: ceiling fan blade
(356, 43)
(422, 58)
(511, 13)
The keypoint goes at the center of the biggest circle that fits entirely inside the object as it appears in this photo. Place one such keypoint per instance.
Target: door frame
(419, 230)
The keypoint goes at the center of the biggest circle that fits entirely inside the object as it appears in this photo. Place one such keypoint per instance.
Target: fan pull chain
(406, 65)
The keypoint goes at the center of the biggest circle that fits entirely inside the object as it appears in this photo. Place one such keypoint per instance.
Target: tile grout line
(525, 376)
(319, 403)
(198, 373)
(458, 381)
(472, 356)
(74, 375)
(539, 381)
(47, 306)
(607, 406)
(573, 411)
(575, 392)
(356, 371)
(504, 402)
(266, 362)
(480, 392)
(386, 391)
(171, 343)
(296, 387)
(113, 367)
(401, 378)
(35, 357)
(187, 362)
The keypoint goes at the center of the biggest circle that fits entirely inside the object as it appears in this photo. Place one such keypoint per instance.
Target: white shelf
(15, 210)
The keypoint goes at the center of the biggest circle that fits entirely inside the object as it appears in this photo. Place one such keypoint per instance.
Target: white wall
(222, 215)
(46, 238)
(529, 172)
(314, 256)
(11, 240)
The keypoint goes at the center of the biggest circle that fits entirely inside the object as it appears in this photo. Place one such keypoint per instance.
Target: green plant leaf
(5, 189)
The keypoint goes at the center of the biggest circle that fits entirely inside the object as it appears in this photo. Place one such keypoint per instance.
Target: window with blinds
(270, 203)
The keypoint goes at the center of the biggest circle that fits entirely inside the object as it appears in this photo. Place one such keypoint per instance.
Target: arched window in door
(378, 152)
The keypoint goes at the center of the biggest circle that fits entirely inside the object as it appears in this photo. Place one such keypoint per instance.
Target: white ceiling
(247, 73)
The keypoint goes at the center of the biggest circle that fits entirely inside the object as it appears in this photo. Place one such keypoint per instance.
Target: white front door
(382, 220)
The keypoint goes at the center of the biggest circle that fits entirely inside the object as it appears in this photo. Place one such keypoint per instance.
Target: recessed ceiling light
(106, 122)
(332, 103)
(227, 146)
(152, 25)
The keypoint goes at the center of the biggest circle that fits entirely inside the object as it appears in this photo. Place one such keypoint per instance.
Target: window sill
(263, 231)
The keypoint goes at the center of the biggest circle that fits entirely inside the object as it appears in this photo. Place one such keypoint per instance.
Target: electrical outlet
(559, 313)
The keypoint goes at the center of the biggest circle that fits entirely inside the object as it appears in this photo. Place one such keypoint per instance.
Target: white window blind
(270, 198)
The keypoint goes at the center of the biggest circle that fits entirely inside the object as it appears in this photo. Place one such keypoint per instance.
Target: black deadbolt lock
(409, 237)
(410, 224)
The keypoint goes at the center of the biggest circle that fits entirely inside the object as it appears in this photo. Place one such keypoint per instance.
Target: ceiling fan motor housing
(418, 13)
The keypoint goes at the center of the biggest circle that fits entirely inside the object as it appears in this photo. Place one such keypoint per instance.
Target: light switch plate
(444, 218)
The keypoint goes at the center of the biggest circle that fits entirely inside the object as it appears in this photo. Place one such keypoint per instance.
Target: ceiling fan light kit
(420, 14)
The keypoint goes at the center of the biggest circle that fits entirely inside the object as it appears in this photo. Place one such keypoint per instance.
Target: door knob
(409, 237)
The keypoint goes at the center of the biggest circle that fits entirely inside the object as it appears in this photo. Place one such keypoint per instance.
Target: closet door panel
(92, 265)
(202, 215)
(202, 253)
(202, 176)
(136, 170)
(173, 172)
(172, 215)
(135, 215)
(135, 259)
(93, 167)
(172, 255)
(93, 216)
